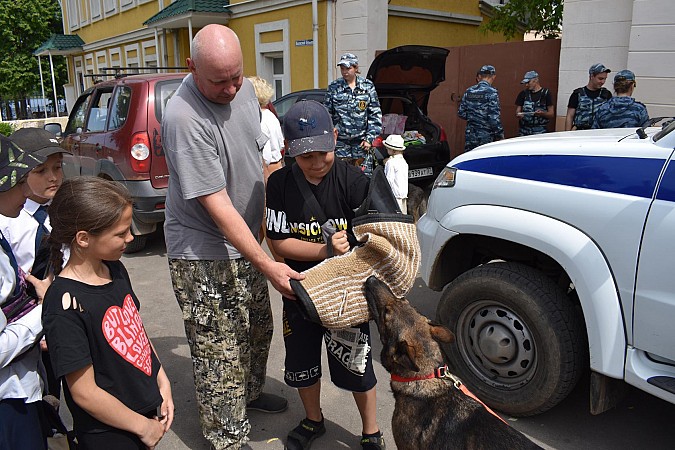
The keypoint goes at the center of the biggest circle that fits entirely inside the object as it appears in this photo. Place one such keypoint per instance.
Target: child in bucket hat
(20, 327)
(296, 230)
(396, 170)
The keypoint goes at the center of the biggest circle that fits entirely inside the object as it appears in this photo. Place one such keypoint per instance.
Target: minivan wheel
(137, 244)
(519, 340)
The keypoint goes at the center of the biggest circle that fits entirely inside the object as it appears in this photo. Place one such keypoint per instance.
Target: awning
(60, 44)
(193, 13)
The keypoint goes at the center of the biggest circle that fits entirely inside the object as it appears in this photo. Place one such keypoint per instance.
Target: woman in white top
(272, 152)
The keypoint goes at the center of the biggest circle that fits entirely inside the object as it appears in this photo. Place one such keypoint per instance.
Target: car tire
(520, 342)
(137, 244)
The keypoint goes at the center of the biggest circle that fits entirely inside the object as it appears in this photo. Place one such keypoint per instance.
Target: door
(655, 288)
(92, 139)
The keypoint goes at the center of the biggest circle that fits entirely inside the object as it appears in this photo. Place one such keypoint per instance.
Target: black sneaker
(268, 403)
(373, 442)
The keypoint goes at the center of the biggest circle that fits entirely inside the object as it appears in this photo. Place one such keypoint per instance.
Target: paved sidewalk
(162, 318)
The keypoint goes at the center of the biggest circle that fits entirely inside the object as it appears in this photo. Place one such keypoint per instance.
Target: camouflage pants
(228, 324)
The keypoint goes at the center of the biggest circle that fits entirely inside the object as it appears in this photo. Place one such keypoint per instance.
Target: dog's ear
(441, 334)
(405, 356)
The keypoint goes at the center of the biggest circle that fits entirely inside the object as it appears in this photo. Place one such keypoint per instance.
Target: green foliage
(542, 17)
(24, 26)
(6, 128)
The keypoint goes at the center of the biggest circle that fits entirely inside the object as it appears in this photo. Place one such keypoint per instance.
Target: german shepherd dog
(430, 411)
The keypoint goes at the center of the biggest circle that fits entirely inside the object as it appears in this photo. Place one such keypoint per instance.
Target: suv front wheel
(519, 339)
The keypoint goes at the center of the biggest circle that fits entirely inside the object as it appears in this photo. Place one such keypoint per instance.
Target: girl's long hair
(88, 204)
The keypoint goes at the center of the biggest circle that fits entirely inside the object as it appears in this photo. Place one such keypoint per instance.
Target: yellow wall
(404, 31)
(299, 27)
(120, 23)
(455, 6)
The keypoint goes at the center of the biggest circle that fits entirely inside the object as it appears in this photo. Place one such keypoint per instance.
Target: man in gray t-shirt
(214, 209)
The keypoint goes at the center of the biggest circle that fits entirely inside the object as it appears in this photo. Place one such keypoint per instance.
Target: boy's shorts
(349, 359)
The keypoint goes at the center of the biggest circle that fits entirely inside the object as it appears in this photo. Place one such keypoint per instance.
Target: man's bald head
(216, 63)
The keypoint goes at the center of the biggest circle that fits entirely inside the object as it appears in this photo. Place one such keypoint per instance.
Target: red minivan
(113, 132)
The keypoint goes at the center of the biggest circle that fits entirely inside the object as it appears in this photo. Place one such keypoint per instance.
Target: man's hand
(365, 145)
(279, 274)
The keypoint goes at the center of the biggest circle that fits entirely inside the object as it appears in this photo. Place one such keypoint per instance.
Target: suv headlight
(446, 178)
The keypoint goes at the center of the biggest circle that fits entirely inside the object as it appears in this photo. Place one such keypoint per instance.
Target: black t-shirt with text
(341, 191)
(100, 325)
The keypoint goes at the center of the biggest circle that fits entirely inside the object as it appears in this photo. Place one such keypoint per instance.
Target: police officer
(355, 109)
(534, 106)
(480, 108)
(622, 111)
(585, 101)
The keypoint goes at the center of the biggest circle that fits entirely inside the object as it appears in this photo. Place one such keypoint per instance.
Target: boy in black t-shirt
(295, 233)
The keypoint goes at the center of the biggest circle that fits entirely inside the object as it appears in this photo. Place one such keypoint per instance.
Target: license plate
(419, 173)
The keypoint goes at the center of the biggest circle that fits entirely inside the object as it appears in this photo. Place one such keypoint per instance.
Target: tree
(542, 17)
(24, 26)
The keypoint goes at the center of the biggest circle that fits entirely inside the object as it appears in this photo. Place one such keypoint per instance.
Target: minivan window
(98, 113)
(119, 109)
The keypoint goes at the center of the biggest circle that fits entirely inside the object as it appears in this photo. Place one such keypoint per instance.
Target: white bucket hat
(395, 142)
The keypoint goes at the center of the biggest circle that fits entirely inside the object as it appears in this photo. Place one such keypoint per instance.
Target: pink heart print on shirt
(123, 329)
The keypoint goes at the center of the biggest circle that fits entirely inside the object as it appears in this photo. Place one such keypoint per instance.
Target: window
(120, 107)
(163, 92)
(76, 121)
(98, 112)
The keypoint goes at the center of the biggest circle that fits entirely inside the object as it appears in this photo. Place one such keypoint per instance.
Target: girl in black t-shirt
(114, 382)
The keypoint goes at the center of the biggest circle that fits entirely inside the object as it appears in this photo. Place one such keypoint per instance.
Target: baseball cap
(37, 141)
(598, 68)
(487, 70)
(15, 163)
(395, 142)
(348, 60)
(623, 75)
(308, 127)
(529, 76)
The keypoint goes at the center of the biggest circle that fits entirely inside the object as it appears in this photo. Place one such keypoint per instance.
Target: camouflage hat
(487, 69)
(531, 75)
(598, 68)
(14, 163)
(348, 60)
(624, 75)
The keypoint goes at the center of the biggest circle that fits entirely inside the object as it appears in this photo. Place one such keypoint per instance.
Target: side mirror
(54, 128)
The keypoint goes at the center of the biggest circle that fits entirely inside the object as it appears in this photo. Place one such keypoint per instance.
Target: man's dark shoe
(268, 403)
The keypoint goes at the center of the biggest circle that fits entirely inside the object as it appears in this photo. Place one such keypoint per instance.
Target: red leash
(444, 373)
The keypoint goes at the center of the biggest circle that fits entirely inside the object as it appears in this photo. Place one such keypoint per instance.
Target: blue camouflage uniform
(621, 112)
(480, 108)
(357, 116)
(588, 106)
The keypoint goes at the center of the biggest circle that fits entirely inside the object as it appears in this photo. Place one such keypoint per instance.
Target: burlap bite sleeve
(332, 291)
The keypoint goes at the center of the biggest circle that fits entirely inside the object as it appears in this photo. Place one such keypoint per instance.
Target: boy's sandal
(373, 442)
(302, 436)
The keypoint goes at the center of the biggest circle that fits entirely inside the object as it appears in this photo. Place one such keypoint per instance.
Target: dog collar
(439, 372)
(444, 373)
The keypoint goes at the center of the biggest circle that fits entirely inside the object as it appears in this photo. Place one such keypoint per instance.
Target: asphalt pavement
(640, 421)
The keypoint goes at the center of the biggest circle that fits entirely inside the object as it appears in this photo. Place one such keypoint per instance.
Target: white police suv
(557, 252)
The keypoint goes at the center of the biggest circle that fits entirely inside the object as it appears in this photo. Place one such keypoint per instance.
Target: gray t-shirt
(210, 147)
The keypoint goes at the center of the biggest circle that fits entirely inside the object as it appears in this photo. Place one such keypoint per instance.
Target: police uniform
(586, 103)
(480, 108)
(531, 102)
(357, 116)
(622, 111)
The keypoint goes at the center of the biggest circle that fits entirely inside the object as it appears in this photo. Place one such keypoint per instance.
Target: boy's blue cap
(598, 68)
(623, 75)
(348, 60)
(308, 127)
(487, 70)
(531, 75)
